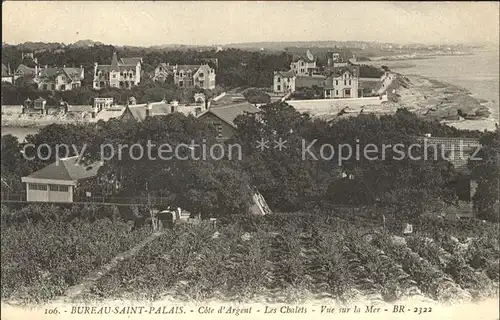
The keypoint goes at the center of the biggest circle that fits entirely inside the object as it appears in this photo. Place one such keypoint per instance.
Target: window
(336, 82)
(345, 82)
(114, 76)
(336, 92)
(302, 63)
(349, 82)
(279, 79)
(201, 75)
(172, 109)
(279, 87)
(218, 128)
(58, 188)
(181, 84)
(44, 87)
(63, 87)
(37, 186)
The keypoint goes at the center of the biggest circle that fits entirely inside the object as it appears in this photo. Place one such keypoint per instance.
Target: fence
(108, 200)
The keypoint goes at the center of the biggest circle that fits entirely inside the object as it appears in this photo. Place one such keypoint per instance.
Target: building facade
(284, 81)
(124, 73)
(59, 79)
(187, 76)
(304, 65)
(343, 83)
(101, 103)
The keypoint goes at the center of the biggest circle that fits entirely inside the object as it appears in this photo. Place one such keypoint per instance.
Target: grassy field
(278, 258)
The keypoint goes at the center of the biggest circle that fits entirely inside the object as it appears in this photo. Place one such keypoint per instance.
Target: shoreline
(451, 104)
(427, 97)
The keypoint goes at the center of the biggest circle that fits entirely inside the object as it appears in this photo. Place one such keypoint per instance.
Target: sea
(479, 73)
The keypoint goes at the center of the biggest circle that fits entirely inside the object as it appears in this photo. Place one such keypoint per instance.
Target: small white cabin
(57, 181)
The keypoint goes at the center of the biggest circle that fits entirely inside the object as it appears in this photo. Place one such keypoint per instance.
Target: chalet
(222, 117)
(123, 73)
(59, 79)
(57, 182)
(162, 72)
(343, 83)
(284, 81)
(304, 65)
(187, 76)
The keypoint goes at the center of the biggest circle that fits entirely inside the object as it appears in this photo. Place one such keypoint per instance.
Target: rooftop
(285, 74)
(229, 113)
(73, 73)
(452, 147)
(68, 169)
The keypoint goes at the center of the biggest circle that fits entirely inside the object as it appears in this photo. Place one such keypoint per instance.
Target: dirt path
(87, 283)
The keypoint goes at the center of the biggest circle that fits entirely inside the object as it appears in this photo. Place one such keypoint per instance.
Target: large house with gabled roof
(59, 79)
(284, 81)
(343, 82)
(123, 73)
(304, 65)
(187, 76)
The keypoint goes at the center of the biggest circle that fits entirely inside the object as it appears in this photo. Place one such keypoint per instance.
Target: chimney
(149, 110)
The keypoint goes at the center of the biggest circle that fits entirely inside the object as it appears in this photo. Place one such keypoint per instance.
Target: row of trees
(288, 180)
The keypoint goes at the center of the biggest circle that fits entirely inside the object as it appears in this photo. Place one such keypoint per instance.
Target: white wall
(333, 106)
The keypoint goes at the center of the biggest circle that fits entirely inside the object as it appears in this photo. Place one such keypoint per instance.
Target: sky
(213, 22)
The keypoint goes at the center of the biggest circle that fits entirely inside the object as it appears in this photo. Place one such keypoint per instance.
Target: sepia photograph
(251, 159)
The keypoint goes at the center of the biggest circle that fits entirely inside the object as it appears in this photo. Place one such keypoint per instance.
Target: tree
(256, 96)
(487, 174)
(13, 163)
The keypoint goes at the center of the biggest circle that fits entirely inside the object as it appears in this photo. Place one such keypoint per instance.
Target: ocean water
(478, 73)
